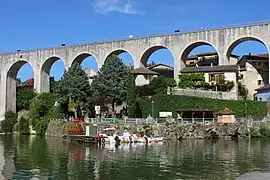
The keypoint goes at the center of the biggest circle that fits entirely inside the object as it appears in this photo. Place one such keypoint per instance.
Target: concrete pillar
(222, 56)
(11, 93)
(37, 84)
(2, 95)
(268, 49)
(44, 81)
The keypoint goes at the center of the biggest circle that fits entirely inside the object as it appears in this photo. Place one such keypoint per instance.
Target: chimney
(249, 54)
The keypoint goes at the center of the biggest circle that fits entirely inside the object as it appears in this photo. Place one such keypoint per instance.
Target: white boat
(111, 136)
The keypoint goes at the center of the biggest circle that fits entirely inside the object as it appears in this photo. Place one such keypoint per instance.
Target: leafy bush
(160, 84)
(41, 127)
(242, 90)
(174, 102)
(8, 123)
(55, 112)
(40, 106)
(24, 95)
(24, 126)
(197, 80)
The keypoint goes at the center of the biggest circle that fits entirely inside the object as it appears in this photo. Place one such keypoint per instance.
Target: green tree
(24, 126)
(242, 90)
(8, 123)
(53, 85)
(40, 106)
(110, 82)
(191, 80)
(24, 95)
(161, 83)
(74, 88)
(132, 95)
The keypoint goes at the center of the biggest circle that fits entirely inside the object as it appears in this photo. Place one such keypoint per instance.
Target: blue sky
(32, 24)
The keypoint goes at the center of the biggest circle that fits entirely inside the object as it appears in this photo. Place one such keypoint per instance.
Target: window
(211, 77)
(259, 82)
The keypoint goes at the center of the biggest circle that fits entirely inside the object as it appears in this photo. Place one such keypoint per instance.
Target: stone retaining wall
(205, 94)
(178, 131)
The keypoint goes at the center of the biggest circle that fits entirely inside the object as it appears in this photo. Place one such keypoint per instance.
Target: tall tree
(132, 95)
(74, 88)
(24, 96)
(160, 84)
(110, 82)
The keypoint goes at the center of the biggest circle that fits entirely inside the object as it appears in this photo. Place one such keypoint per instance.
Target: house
(207, 59)
(263, 93)
(256, 74)
(28, 83)
(162, 69)
(143, 76)
(90, 73)
(208, 63)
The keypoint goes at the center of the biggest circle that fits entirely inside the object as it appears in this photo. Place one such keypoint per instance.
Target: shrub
(55, 113)
(174, 102)
(24, 126)
(40, 106)
(160, 84)
(8, 123)
(41, 127)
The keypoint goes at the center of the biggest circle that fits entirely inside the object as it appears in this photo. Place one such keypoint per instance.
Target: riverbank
(243, 129)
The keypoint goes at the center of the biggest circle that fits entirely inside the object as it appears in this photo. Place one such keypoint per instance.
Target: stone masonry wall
(205, 94)
(178, 131)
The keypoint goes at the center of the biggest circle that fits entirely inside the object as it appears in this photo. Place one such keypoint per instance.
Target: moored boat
(111, 137)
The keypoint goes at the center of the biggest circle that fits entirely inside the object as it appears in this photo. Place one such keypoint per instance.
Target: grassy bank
(174, 102)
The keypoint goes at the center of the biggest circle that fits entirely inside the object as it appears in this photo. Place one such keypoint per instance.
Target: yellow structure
(225, 116)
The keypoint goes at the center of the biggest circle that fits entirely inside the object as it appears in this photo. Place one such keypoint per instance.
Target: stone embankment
(181, 131)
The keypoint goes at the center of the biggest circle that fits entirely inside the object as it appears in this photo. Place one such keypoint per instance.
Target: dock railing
(248, 120)
(156, 120)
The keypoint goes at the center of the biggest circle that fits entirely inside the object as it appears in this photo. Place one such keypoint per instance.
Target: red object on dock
(79, 122)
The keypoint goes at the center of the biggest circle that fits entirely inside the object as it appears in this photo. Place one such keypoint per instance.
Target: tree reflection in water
(187, 159)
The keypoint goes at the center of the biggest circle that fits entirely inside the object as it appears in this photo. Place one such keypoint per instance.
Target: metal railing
(249, 120)
(156, 120)
(55, 119)
(147, 36)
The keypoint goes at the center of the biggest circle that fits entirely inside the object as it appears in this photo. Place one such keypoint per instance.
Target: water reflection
(26, 157)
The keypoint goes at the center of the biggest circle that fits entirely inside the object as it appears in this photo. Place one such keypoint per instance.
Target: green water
(51, 158)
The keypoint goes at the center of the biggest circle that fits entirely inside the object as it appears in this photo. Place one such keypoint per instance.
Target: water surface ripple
(30, 157)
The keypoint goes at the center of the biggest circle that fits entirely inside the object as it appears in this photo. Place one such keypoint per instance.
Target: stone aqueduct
(224, 40)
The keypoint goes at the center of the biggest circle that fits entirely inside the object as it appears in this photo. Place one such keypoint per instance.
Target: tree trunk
(75, 113)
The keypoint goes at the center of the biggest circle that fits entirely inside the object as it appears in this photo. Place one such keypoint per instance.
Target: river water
(30, 157)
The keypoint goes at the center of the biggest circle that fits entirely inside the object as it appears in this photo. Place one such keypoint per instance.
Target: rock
(255, 176)
(56, 128)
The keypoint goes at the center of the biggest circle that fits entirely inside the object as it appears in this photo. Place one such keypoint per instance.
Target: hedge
(172, 103)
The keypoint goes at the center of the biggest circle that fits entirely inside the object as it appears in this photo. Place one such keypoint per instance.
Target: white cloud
(121, 6)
